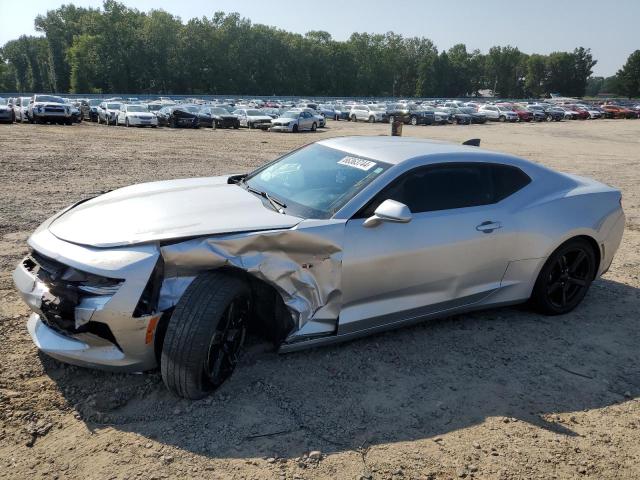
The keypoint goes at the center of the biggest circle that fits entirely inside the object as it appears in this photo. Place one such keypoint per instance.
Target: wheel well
(270, 317)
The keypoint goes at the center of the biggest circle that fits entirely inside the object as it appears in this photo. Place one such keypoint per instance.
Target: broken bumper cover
(98, 331)
(90, 352)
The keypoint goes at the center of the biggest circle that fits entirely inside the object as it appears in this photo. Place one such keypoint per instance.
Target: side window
(507, 180)
(441, 187)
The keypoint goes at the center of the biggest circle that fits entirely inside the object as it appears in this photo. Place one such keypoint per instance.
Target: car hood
(260, 117)
(165, 211)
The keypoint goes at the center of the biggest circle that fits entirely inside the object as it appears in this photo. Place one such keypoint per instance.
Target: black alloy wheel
(227, 341)
(565, 278)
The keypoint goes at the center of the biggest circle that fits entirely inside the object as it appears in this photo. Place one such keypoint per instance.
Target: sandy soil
(502, 394)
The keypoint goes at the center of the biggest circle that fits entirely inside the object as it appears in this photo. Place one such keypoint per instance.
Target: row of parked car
(294, 116)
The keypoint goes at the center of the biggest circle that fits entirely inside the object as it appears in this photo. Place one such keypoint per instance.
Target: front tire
(314, 127)
(414, 120)
(565, 278)
(205, 335)
(126, 123)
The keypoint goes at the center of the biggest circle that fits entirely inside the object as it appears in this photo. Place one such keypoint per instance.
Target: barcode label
(358, 163)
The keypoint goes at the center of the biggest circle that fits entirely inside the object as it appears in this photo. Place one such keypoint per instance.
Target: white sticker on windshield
(358, 163)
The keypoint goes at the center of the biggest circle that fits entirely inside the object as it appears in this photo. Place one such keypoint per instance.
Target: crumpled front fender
(303, 264)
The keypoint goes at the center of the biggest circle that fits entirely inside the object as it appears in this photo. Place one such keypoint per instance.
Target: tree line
(120, 49)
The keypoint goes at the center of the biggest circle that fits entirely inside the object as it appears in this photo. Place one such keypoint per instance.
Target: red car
(583, 114)
(524, 115)
(619, 112)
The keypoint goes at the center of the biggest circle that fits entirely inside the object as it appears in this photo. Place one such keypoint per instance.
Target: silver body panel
(338, 278)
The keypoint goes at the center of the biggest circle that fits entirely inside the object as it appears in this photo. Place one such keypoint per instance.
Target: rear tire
(414, 120)
(314, 127)
(205, 334)
(565, 278)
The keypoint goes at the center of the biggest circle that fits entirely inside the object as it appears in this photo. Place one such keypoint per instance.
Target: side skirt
(408, 319)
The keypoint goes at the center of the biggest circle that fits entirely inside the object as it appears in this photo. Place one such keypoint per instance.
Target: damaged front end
(84, 302)
(301, 265)
(109, 307)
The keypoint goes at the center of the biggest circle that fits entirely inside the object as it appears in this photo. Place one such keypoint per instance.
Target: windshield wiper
(278, 205)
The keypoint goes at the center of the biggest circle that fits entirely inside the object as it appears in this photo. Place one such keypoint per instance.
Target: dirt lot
(502, 394)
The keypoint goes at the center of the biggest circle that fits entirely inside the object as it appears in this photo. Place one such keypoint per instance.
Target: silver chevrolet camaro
(338, 239)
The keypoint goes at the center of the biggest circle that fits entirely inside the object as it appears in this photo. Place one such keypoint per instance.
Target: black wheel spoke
(577, 281)
(553, 288)
(580, 257)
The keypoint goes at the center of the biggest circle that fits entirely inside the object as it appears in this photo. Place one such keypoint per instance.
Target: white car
(294, 121)
(49, 108)
(497, 113)
(252, 118)
(108, 112)
(136, 116)
(21, 109)
(319, 117)
(366, 113)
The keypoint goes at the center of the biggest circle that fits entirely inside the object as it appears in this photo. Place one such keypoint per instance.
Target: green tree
(536, 76)
(505, 71)
(628, 77)
(84, 60)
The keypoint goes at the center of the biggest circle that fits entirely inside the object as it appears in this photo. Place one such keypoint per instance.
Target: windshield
(290, 114)
(136, 108)
(254, 113)
(189, 108)
(95, 103)
(3, 101)
(113, 106)
(219, 111)
(315, 181)
(154, 107)
(49, 98)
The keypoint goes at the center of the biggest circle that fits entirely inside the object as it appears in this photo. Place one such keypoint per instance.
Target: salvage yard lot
(499, 394)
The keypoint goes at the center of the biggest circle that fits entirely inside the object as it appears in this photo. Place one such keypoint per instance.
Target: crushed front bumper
(92, 351)
(281, 128)
(91, 331)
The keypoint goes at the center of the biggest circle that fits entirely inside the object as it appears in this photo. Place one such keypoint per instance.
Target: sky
(609, 28)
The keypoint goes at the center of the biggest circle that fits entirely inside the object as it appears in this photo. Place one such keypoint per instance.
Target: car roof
(395, 150)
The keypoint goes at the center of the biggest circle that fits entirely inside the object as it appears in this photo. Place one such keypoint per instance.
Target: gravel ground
(501, 394)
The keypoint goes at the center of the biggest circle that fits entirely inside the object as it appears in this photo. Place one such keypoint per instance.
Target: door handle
(488, 226)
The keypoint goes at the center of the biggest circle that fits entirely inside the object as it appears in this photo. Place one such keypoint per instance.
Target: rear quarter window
(507, 180)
